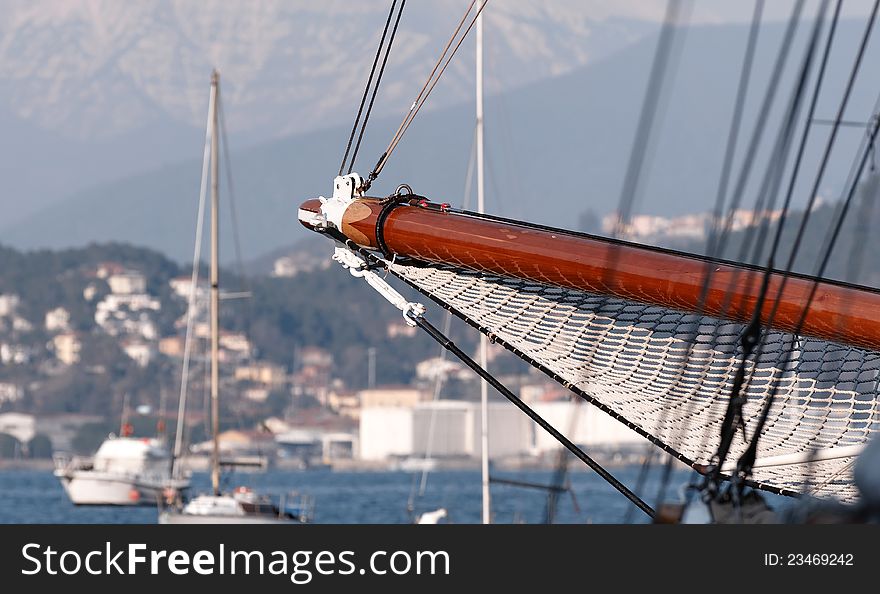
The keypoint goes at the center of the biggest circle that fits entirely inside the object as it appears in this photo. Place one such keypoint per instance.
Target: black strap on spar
(403, 195)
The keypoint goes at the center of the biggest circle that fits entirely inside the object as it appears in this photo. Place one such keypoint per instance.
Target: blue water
(35, 496)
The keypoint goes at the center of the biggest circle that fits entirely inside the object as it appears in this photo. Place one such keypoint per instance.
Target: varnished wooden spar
(839, 312)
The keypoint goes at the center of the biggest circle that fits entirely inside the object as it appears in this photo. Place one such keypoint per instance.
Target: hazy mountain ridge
(97, 68)
(554, 149)
(98, 90)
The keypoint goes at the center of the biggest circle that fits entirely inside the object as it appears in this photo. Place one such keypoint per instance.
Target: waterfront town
(75, 369)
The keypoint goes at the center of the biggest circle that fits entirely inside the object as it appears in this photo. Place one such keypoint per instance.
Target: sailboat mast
(123, 429)
(215, 289)
(484, 346)
(191, 303)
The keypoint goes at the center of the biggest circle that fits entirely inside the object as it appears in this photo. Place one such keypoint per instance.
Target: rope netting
(668, 374)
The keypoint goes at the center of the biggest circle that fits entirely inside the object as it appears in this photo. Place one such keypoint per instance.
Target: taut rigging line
(426, 90)
(367, 261)
(747, 460)
(357, 118)
(721, 196)
(751, 341)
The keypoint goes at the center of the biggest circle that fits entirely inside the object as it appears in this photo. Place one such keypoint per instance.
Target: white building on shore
(127, 282)
(57, 320)
(67, 347)
(452, 428)
(8, 304)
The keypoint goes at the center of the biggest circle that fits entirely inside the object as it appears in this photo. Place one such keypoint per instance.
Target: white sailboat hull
(226, 509)
(100, 488)
(167, 517)
(124, 471)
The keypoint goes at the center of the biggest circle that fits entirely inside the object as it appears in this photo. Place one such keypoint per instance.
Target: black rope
(425, 92)
(760, 125)
(733, 416)
(811, 199)
(733, 134)
(717, 214)
(747, 459)
(756, 329)
(380, 226)
(773, 175)
(357, 146)
(807, 127)
(756, 233)
(503, 390)
(650, 106)
(403, 195)
(367, 88)
(751, 338)
(772, 180)
(717, 237)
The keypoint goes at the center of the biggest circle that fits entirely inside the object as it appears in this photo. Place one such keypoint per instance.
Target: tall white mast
(484, 346)
(215, 291)
(191, 304)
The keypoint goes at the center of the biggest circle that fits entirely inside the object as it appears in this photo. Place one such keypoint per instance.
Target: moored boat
(123, 471)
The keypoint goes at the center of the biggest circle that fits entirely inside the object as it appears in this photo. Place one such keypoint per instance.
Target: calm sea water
(35, 496)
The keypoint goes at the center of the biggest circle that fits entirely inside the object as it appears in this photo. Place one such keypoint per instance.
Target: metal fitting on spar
(310, 215)
(322, 212)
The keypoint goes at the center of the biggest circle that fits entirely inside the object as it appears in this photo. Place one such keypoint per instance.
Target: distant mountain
(554, 149)
(96, 90)
(96, 68)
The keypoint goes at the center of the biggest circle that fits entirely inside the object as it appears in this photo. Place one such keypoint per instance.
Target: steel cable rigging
(718, 211)
(747, 459)
(750, 341)
(426, 90)
(369, 85)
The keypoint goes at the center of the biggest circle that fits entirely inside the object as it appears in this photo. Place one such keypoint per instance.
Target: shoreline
(406, 465)
(32, 464)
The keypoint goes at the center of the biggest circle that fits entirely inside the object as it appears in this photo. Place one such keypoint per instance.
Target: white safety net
(669, 374)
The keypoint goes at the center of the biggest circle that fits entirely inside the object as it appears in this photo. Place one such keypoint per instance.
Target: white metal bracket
(345, 191)
(358, 268)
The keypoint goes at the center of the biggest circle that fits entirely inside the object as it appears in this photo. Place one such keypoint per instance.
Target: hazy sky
(708, 11)
(93, 91)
